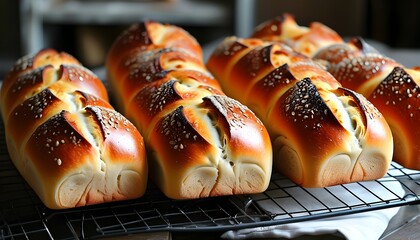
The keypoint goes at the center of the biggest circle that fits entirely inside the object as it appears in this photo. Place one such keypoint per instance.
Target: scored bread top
(64, 137)
(202, 143)
(322, 134)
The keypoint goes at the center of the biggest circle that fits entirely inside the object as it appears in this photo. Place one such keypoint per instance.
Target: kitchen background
(86, 28)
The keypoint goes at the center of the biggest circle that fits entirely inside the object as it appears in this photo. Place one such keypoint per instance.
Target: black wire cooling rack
(23, 216)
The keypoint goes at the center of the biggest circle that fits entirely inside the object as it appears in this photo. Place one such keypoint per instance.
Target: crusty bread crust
(64, 137)
(322, 134)
(391, 87)
(201, 142)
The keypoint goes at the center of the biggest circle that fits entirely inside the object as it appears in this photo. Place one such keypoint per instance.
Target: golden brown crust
(65, 138)
(398, 97)
(357, 65)
(388, 85)
(306, 40)
(385, 83)
(201, 142)
(321, 132)
(32, 62)
(360, 67)
(66, 78)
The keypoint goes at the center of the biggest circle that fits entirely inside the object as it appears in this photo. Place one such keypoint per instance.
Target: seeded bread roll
(391, 87)
(322, 134)
(201, 142)
(64, 137)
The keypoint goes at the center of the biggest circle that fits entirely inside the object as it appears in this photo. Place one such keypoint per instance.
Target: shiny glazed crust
(391, 87)
(306, 40)
(322, 134)
(201, 142)
(64, 137)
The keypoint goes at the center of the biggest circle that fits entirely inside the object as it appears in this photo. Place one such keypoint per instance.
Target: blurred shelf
(200, 13)
(35, 14)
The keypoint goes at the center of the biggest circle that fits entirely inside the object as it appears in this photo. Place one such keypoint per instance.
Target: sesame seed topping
(109, 119)
(312, 108)
(158, 97)
(347, 66)
(177, 134)
(229, 49)
(24, 63)
(400, 87)
(274, 28)
(28, 79)
(228, 107)
(59, 162)
(279, 76)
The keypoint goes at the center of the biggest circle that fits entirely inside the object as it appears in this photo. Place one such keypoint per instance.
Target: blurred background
(86, 28)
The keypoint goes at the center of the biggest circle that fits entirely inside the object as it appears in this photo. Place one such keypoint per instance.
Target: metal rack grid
(23, 216)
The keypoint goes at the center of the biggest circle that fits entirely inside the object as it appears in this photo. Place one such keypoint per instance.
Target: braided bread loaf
(391, 87)
(322, 134)
(63, 136)
(201, 143)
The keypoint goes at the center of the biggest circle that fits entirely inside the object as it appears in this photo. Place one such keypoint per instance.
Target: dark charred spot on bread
(400, 90)
(28, 80)
(144, 67)
(256, 60)
(178, 130)
(304, 104)
(34, 107)
(153, 98)
(279, 76)
(273, 28)
(135, 35)
(230, 49)
(164, 94)
(109, 120)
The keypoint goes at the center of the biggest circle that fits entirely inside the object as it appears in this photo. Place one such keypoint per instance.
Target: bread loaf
(322, 134)
(306, 40)
(390, 86)
(64, 137)
(201, 142)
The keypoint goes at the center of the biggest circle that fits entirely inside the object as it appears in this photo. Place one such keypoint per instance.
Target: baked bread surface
(322, 134)
(64, 137)
(201, 142)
